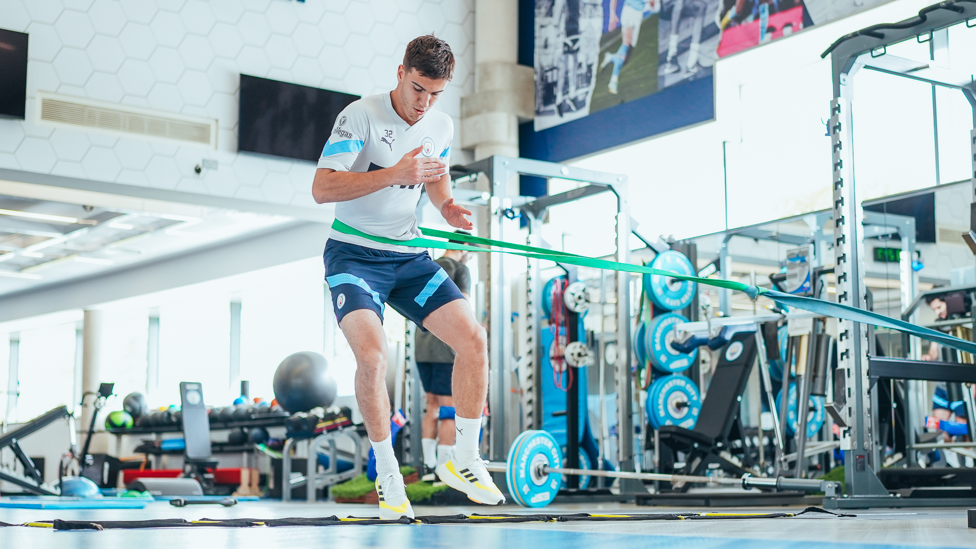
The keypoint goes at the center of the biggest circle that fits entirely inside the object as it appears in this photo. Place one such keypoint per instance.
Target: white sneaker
(472, 479)
(612, 86)
(393, 498)
(670, 68)
(607, 58)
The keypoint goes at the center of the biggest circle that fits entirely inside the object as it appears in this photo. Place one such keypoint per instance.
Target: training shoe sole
(468, 485)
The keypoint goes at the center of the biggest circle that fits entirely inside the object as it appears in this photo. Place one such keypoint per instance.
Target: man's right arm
(334, 179)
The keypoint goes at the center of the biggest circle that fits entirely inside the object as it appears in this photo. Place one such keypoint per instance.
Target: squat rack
(867, 49)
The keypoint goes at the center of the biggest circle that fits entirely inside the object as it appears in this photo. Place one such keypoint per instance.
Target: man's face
(939, 307)
(417, 93)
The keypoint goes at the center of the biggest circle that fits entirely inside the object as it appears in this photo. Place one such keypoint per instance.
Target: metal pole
(857, 439)
(747, 481)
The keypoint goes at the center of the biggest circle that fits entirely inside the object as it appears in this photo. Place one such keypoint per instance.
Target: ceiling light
(123, 226)
(32, 254)
(43, 217)
(12, 274)
(93, 260)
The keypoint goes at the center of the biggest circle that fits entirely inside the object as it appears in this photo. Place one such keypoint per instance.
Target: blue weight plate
(584, 463)
(547, 297)
(815, 413)
(528, 450)
(652, 397)
(659, 336)
(776, 367)
(665, 395)
(638, 343)
(666, 292)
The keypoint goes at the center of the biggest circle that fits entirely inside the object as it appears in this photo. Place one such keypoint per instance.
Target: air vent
(79, 113)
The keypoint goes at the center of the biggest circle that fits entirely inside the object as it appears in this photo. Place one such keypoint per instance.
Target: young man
(435, 362)
(384, 150)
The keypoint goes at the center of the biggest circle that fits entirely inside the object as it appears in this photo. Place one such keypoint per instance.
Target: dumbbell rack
(159, 431)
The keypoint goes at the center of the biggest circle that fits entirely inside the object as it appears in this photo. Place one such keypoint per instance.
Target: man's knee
(475, 342)
(371, 363)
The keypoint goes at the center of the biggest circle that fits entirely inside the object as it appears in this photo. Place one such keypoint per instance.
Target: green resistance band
(817, 306)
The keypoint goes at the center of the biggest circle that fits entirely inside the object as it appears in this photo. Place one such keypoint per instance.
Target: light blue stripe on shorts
(431, 287)
(346, 278)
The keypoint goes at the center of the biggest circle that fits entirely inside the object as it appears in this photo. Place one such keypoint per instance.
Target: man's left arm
(439, 193)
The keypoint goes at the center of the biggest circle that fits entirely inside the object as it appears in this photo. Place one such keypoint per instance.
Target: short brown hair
(430, 56)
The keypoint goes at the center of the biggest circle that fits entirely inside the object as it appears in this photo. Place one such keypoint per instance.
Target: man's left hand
(456, 216)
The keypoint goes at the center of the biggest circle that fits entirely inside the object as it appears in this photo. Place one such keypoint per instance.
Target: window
(280, 315)
(194, 345)
(46, 370)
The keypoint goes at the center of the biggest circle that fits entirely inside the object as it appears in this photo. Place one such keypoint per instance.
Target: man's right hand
(412, 170)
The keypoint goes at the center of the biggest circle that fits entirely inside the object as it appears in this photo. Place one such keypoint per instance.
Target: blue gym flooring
(878, 529)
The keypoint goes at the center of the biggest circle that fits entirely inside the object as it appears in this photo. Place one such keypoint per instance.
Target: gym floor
(873, 528)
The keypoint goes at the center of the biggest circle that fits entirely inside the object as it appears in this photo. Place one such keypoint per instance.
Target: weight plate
(776, 367)
(577, 297)
(529, 450)
(547, 296)
(578, 355)
(659, 336)
(638, 343)
(815, 413)
(673, 400)
(584, 463)
(666, 292)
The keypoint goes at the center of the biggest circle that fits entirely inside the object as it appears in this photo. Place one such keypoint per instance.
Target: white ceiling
(44, 240)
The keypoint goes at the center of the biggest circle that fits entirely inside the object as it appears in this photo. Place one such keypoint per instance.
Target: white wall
(185, 56)
(771, 104)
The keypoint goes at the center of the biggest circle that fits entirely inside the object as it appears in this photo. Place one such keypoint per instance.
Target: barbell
(533, 473)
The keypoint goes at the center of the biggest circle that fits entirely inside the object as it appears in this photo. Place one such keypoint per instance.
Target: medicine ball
(135, 403)
(302, 382)
(237, 436)
(258, 435)
(242, 412)
(226, 414)
(118, 419)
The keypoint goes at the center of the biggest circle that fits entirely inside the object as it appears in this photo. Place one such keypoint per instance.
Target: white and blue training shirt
(369, 135)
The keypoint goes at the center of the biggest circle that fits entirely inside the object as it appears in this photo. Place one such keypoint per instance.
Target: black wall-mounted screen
(13, 74)
(919, 206)
(288, 120)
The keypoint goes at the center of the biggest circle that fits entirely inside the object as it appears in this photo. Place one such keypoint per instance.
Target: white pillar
(91, 361)
(504, 90)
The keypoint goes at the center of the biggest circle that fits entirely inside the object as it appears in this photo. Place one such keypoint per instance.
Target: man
(630, 20)
(946, 307)
(435, 362)
(384, 150)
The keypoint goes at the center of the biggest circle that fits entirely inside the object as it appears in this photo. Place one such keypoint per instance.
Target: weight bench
(719, 422)
(32, 478)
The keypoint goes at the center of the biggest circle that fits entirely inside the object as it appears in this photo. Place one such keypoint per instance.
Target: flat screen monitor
(13, 74)
(920, 206)
(287, 120)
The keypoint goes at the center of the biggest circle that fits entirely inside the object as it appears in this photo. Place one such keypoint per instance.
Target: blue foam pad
(70, 503)
(446, 412)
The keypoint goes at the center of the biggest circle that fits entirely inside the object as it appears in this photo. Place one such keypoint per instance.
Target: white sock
(429, 446)
(386, 462)
(444, 453)
(466, 445)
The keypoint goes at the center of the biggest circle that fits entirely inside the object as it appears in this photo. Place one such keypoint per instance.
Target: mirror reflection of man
(949, 306)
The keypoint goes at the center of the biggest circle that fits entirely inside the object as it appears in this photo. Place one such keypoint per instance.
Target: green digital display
(887, 255)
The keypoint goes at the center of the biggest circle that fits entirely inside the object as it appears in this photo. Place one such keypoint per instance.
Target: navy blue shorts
(366, 278)
(436, 377)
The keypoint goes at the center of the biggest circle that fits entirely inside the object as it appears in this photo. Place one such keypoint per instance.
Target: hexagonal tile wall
(185, 57)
